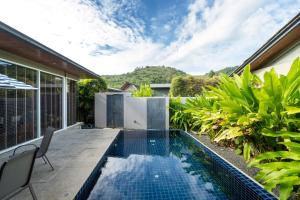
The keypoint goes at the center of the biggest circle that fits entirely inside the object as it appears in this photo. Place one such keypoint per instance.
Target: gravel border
(228, 154)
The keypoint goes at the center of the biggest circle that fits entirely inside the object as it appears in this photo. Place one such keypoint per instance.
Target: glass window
(51, 101)
(18, 121)
(2, 118)
(31, 110)
(71, 102)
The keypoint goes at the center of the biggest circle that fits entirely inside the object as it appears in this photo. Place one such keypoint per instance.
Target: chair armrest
(21, 147)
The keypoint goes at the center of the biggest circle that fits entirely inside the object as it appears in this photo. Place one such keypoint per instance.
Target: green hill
(141, 75)
(225, 70)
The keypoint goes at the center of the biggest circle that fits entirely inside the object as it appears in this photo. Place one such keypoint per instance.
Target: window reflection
(71, 102)
(51, 102)
(17, 107)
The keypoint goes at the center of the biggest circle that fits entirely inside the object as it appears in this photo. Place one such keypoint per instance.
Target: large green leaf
(246, 151)
(286, 185)
(292, 110)
(270, 133)
(229, 134)
(292, 146)
(294, 71)
(274, 156)
(277, 175)
(272, 85)
(285, 190)
(292, 90)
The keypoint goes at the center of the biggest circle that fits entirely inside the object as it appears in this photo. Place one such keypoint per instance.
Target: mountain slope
(141, 75)
(225, 70)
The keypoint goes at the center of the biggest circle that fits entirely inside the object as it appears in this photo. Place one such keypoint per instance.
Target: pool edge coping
(95, 169)
(232, 165)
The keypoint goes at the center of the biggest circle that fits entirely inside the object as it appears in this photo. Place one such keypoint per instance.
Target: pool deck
(74, 153)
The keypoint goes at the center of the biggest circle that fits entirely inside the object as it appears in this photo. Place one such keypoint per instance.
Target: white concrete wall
(100, 110)
(282, 63)
(167, 113)
(135, 113)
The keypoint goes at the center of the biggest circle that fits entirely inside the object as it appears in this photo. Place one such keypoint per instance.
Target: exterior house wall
(62, 120)
(281, 63)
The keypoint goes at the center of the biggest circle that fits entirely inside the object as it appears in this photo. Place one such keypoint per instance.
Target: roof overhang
(17, 43)
(283, 39)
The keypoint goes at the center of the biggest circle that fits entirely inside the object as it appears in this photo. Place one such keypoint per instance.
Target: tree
(189, 86)
(86, 95)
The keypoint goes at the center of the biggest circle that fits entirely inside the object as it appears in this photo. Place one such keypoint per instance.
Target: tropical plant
(258, 118)
(228, 112)
(86, 95)
(178, 117)
(204, 113)
(143, 91)
(280, 107)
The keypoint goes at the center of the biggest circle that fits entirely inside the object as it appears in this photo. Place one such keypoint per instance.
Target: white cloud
(229, 32)
(210, 36)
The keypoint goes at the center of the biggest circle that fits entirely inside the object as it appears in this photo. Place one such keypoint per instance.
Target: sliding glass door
(18, 116)
(18, 105)
(71, 102)
(51, 101)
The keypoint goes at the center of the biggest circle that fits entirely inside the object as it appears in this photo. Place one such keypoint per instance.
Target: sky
(116, 36)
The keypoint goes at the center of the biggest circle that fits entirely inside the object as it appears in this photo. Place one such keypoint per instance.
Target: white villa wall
(167, 113)
(135, 112)
(100, 110)
(281, 63)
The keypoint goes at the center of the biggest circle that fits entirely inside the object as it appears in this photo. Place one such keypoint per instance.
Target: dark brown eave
(277, 44)
(19, 44)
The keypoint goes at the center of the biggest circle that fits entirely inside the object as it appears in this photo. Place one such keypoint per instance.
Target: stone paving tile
(74, 153)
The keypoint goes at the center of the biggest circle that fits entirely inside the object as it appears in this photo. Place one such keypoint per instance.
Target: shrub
(143, 91)
(178, 117)
(190, 86)
(86, 92)
(280, 109)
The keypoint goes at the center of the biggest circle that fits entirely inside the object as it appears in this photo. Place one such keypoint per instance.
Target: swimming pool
(166, 165)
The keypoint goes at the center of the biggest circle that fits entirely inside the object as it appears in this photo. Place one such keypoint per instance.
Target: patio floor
(74, 153)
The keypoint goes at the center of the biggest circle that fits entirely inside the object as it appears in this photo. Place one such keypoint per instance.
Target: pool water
(168, 165)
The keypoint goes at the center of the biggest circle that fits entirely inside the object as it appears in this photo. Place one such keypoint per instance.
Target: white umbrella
(10, 83)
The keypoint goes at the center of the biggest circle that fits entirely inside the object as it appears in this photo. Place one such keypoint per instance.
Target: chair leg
(44, 160)
(32, 192)
(48, 162)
